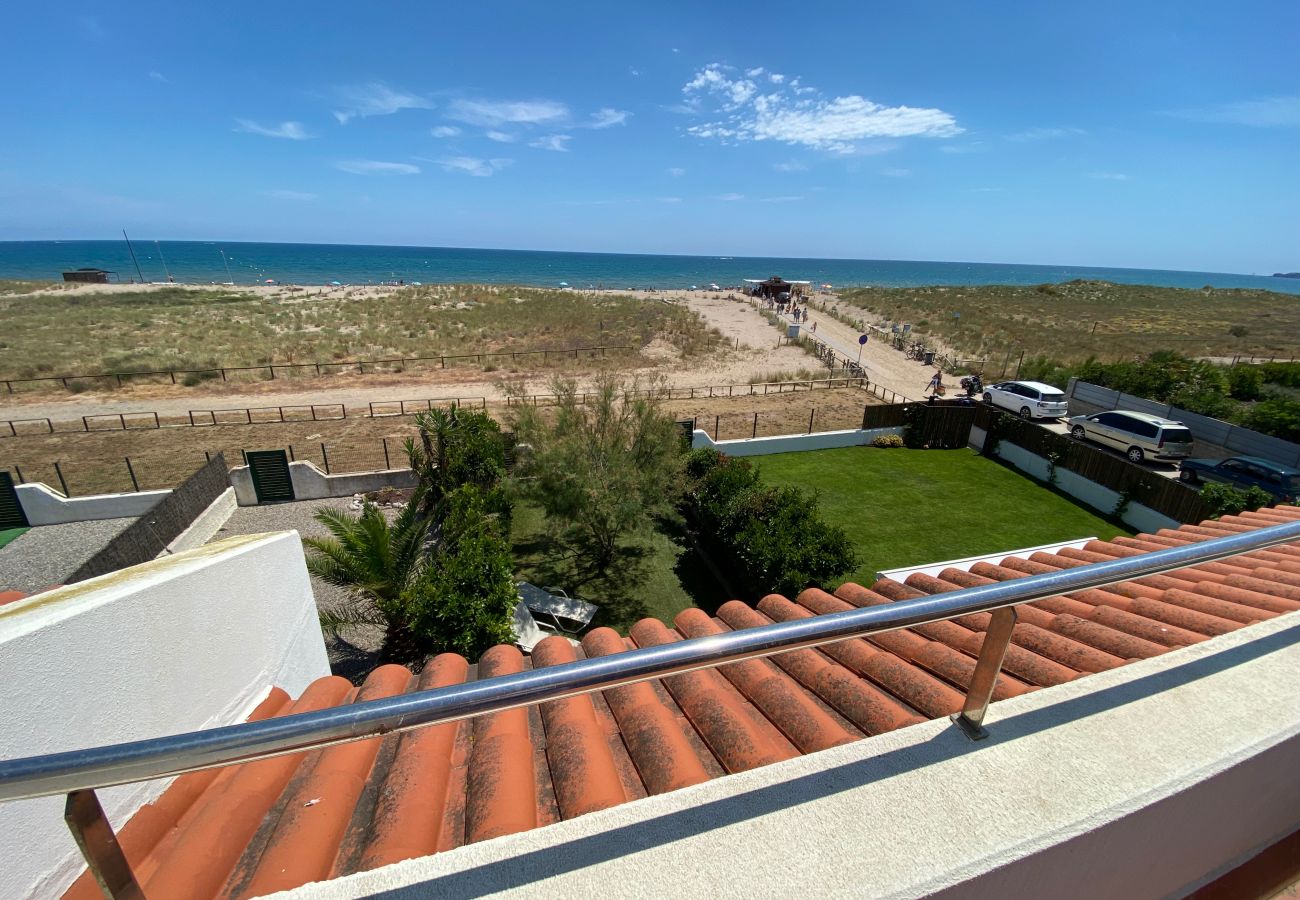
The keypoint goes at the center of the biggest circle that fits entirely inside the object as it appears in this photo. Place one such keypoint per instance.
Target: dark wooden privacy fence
(150, 534)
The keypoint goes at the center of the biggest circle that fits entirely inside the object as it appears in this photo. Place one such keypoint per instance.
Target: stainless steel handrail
(62, 773)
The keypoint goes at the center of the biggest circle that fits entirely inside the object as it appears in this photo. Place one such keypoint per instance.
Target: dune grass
(910, 507)
(1072, 321)
(186, 328)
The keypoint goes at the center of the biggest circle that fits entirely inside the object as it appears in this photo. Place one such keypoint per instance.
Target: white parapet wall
(310, 483)
(45, 506)
(1144, 781)
(190, 641)
(206, 525)
(792, 443)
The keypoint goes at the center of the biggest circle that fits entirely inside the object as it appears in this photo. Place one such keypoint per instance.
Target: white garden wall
(185, 642)
(45, 506)
(792, 443)
(310, 483)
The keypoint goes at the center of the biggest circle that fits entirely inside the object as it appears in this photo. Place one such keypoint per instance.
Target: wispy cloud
(301, 196)
(292, 131)
(500, 137)
(444, 131)
(969, 147)
(894, 172)
(1045, 134)
(784, 198)
(1108, 176)
(495, 113)
(729, 198)
(376, 167)
(1270, 112)
(796, 115)
(670, 199)
(480, 168)
(159, 76)
(606, 117)
(557, 142)
(791, 166)
(676, 171)
(374, 98)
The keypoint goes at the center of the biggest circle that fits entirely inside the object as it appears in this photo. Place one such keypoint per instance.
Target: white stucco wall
(310, 483)
(207, 524)
(1103, 499)
(45, 506)
(792, 443)
(184, 642)
(1144, 781)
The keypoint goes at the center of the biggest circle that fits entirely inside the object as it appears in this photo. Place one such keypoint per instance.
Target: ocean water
(248, 263)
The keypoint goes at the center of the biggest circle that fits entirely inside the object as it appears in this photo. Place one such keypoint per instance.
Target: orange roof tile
(285, 821)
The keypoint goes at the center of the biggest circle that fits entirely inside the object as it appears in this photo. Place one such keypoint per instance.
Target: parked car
(1281, 482)
(1028, 399)
(1138, 435)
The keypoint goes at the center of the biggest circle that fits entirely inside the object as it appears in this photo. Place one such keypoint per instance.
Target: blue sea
(201, 262)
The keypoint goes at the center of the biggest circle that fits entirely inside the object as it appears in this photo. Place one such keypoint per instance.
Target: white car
(1028, 399)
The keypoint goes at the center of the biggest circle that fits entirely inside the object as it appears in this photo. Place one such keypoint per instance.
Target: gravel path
(354, 652)
(47, 555)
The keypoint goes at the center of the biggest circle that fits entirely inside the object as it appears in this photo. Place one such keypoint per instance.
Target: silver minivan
(1138, 435)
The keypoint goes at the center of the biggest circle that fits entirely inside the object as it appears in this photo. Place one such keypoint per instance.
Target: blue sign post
(862, 342)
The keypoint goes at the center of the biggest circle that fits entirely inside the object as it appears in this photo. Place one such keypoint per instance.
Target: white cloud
(495, 113)
(792, 166)
(776, 78)
(376, 167)
(480, 168)
(159, 76)
(607, 116)
(291, 130)
(1270, 112)
(302, 196)
(633, 72)
(444, 131)
(754, 73)
(1045, 134)
(500, 137)
(670, 199)
(893, 172)
(374, 98)
(785, 198)
(676, 171)
(784, 114)
(1108, 176)
(730, 198)
(557, 142)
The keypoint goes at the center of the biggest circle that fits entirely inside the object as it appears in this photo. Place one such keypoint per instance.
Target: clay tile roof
(278, 823)
(10, 597)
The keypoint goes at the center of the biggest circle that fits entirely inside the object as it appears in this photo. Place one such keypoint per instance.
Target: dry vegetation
(184, 328)
(1078, 319)
(94, 462)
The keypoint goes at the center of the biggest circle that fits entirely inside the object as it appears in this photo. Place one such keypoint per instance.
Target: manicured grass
(909, 507)
(657, 574)
(8, 534)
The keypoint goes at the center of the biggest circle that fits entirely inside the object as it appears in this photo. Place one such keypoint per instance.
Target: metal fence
(1212, 431)
(336, 367)
(149, 535)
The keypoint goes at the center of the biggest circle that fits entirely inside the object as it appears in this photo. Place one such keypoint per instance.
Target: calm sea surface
(201, 262)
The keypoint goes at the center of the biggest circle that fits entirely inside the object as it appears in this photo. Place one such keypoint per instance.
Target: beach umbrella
(337, 283)
(564, 284)
(270, 281)
(416, 283)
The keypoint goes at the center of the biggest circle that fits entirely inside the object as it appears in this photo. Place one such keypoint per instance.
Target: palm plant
(376, 560)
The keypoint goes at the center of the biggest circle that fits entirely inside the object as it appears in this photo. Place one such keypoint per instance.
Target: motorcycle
(972, 385)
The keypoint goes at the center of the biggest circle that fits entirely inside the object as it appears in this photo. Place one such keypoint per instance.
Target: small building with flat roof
(91, 276)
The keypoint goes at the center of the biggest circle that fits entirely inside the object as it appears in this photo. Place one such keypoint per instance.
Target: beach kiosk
(91, 276)
(772, 288)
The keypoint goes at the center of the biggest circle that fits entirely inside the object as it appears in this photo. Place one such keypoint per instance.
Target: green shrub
(768, 538)
(1275, 415)
(1228, 500)
(1245, 382)
(888, 440)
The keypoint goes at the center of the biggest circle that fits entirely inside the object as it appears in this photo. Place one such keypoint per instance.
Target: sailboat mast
(164, 261)
(133, 259)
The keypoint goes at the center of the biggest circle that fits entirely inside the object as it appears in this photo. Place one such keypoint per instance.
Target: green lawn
(909, 507)
(656, 574)
(8, 534)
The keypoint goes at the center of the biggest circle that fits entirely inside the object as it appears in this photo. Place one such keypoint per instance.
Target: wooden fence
(150, 534)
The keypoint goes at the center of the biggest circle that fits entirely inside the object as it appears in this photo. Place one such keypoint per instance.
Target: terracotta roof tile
(284, 821)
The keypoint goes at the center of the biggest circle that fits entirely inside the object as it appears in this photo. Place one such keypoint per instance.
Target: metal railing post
(985, 677)
(98, 844)
(62, 483)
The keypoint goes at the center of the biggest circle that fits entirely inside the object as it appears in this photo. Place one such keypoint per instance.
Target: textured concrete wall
(207, 524)
(310, 483)
(178, 644)
(792, 443)
(46, 506)
(1144, 781)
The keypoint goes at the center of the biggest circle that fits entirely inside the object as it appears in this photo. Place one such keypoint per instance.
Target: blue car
(1282, 482)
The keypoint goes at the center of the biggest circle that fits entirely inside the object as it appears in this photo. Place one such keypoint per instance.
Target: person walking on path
(936, 383)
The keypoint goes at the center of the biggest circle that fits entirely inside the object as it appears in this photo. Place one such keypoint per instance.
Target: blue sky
(1155, 134)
